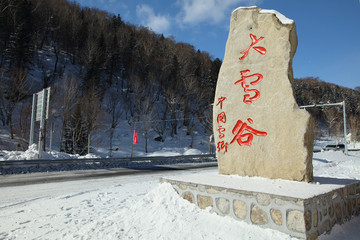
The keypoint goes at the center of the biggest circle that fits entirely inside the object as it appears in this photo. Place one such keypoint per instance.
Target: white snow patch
(33, 153)
(244, 8)
(184, 221)
(281, 17)
(278, 187)
(192, 151)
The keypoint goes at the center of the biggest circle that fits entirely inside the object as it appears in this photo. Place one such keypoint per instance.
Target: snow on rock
(281, 17)
(243, 7)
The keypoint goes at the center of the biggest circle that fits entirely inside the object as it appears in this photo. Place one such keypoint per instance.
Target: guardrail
(49, 165)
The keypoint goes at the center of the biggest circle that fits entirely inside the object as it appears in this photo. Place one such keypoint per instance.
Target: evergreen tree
(79, 131)
(19, 49)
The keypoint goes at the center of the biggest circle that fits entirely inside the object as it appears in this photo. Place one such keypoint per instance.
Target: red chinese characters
(261, 50)
(221, 131)
(221, 119)
(220, 101)
(222, 146)
(242, 81)
(244, 134)
(245, 138)
(247, 97)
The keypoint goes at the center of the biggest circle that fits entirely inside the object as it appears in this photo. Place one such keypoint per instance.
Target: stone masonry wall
(302, 218)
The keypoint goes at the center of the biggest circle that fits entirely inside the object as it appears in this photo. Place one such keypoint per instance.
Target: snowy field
(138, 207)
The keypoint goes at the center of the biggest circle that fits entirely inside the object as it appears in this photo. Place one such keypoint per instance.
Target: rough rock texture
(258, 216)
(223, 205)
(204, 201)
(240, 209)
(282, 135)
(276, 216)
(188, 196)
(296, 221)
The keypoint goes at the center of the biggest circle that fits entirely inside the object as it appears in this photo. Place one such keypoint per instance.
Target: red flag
(135, 140)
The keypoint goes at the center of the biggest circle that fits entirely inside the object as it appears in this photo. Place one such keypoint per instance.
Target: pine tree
(19, 50)
(79, 131)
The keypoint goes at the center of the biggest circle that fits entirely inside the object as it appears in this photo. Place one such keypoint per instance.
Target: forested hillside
(310, 91)
(100, 64)
(103, 71)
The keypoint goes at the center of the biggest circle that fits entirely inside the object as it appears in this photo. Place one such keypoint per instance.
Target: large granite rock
(258, 127)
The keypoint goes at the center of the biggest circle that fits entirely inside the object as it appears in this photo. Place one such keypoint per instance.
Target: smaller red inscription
(221, 117)
(245, 139)
(220, 101)
(261, 50)
(242, 81)
(222, 145)
(221, 131)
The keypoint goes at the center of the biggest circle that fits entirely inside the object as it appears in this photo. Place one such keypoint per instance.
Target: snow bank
(31, 153)
(138, 207)
(162, 214)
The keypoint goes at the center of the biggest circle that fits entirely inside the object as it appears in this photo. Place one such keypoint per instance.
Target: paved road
(47, 177)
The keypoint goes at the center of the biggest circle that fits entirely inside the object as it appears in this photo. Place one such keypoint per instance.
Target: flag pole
(132, 146)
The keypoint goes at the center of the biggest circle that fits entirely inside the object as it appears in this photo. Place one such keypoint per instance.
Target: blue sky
(328, 30)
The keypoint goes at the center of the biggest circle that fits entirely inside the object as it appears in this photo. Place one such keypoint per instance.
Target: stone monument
(258, 127)
(260, 131)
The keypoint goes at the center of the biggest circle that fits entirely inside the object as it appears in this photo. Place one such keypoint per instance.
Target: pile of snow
(176, 218)
(33, 153)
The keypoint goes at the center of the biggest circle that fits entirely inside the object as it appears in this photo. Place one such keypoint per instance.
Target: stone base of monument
(302, 210)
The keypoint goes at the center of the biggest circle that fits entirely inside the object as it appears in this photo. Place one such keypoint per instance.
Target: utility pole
(33, 116)
(51, 136)
(344, 116)
(42, 122)
(88, 148)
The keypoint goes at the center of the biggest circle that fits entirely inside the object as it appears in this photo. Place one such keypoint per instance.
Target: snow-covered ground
(138, 207)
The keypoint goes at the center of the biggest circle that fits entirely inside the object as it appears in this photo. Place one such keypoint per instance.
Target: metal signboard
(39, 105)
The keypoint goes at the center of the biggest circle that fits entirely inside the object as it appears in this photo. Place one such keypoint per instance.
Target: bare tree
(13, 90)
(172, 104)
(24, 123)
(332, 116)
(113, 107)
(355, 127)
(147, 118)
(143, 101)
(66, 96)
(161, 125)
(91, 108)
